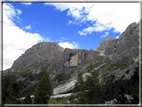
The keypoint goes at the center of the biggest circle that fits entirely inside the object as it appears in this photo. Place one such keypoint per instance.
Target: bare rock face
(57, 60)
(74, 60)
(52, 57)
(110, 38)
(103, 44)
(126, 45)
(20, 79)
(36, 54)
(74, 57)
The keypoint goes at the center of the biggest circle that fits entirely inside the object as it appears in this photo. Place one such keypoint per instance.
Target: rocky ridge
(37, 54)
(119, 55)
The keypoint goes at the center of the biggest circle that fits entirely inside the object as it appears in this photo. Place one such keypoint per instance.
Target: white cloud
(65, 6)
(9, 13)
(62, 39)
(19, 11)
(76, 46)
(104, 15)
(74, 22)
(89, 29)
(120, 15)
(72, 45)
(106, 33)
(75, 9)
(70, 22)
(28, 27)
(86, 31)
(101, 27)
(45, 40)
(96, 28)
(117, 37)
(75, 13)
(82, 33)
(15, 40)
(27, 3)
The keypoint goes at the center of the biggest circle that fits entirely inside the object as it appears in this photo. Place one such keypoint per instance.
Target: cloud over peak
(106, 34)
(15, 40)
(104, 15)
(72, 45)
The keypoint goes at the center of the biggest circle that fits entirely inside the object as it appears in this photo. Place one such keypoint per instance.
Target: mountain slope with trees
(114, 61)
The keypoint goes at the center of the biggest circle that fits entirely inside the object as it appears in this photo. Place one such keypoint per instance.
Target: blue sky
(71, 25)
(54, 24)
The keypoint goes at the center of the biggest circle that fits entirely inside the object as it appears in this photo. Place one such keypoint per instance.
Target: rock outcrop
(118, 56)
(104, 43)
(126, 46)
(37, 54)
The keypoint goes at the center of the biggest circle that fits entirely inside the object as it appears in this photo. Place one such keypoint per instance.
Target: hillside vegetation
(108, 74)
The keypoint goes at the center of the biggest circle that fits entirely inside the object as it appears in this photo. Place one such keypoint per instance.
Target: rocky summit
(37, 54)
(114, 58)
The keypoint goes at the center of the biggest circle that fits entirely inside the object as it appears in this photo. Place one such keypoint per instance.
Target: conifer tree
(14, 92)
(44, 89)
(80, 84)
(27, 99)
(79, 90)
(5, 90)
(135, 88)
(94, 85)
(90, 90)
(122, 99)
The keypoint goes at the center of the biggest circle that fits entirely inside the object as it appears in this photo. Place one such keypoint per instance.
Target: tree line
(93, 91)
(11, 90)
(88, 90)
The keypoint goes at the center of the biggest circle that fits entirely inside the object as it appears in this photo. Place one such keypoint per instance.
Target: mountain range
(115, 58)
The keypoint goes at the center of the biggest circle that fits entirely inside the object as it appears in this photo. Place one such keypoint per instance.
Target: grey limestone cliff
(118, 56)
(36, 54)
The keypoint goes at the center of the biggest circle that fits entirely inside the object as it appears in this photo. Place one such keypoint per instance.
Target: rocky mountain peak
(103, 44)
(126, 45)
(113, 58)
(129, 31)
(111, 38)
(131, 26)
(36, 54)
